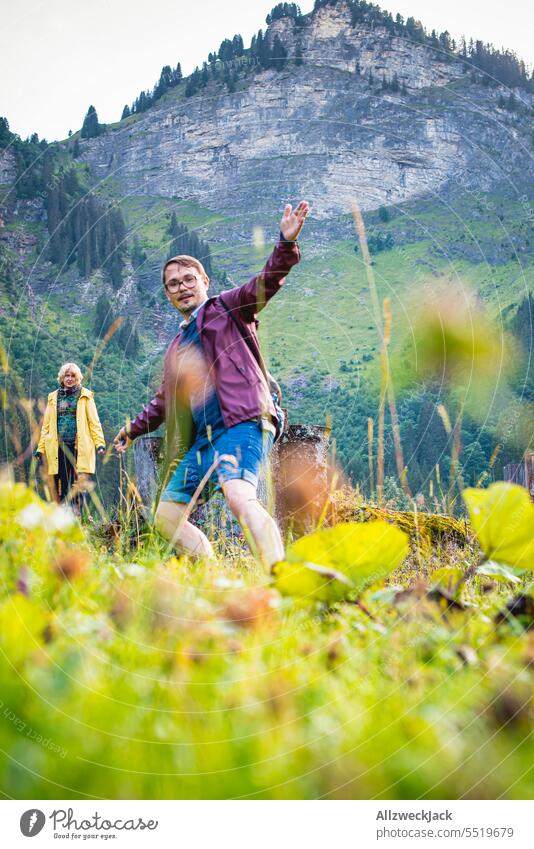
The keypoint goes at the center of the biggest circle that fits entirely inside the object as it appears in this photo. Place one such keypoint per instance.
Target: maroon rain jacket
(232, 361)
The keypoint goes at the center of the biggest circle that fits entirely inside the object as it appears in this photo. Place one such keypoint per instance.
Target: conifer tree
(103, 317)
(137, 254)
(173, 226)
(237, 45)
(226, 50)
(193, 83)
(279, 54)
(5, 134)
(128, 339)
(91, 128)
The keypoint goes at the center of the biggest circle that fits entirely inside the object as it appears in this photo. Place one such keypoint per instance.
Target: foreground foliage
(126, 676)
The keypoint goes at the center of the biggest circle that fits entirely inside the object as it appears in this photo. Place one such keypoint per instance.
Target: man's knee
(240, 495)
(167, 515)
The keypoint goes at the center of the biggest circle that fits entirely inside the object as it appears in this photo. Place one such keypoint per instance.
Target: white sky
(59, 56)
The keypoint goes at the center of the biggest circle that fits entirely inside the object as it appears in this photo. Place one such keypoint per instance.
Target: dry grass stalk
(456, 469)
(386, 388)
(399, 456)
(370, 437)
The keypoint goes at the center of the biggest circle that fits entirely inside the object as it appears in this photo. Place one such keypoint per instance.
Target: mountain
(433, 141)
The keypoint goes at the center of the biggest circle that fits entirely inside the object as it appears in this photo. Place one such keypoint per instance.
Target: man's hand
(121, 441)
(293, 220)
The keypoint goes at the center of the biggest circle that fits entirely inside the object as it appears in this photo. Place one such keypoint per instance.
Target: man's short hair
(183, 260)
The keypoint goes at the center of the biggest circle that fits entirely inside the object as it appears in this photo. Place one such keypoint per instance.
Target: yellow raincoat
(89, 433)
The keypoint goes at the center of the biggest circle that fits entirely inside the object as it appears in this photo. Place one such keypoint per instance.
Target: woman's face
(69, 379)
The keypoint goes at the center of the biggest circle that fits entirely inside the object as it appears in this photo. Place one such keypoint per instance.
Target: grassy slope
(330, 286)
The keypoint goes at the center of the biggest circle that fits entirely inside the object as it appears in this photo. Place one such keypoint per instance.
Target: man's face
(185, 287)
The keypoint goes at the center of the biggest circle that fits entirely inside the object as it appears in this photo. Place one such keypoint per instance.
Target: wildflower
(31, 517)
(60, 519)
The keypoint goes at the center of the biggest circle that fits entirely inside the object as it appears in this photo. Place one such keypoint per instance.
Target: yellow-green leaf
(311, 581)
(502, 517)
(21, 626)
(447, 576)
(364, 553)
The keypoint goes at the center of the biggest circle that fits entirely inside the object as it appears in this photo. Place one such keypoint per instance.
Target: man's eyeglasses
(188, 282)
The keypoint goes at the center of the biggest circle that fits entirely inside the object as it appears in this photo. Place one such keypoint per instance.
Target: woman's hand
(101, 449)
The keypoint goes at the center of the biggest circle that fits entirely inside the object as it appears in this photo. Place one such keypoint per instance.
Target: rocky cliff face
(319, 130)
(330, 41)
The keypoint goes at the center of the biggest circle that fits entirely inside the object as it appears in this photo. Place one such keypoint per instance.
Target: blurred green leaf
(385, 595)
(21, 625)
(502, 517)
(364, 553)
(452, 340)
(502, 574)
(312, 582)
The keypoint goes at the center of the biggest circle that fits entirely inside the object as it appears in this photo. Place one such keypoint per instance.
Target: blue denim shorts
(247, 442)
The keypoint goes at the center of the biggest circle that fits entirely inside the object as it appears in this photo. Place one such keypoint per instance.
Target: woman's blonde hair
(69, 367)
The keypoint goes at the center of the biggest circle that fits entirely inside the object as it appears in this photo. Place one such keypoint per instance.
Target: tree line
(29, 161)
(501, 65)
(82, 228)
(233, 60)
(169, 78)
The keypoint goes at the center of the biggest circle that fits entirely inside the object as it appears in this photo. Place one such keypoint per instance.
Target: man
(215, 393)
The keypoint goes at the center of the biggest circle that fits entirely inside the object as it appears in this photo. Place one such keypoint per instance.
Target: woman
(71, 432)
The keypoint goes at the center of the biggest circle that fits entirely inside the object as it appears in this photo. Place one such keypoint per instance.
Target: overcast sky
(59, 56)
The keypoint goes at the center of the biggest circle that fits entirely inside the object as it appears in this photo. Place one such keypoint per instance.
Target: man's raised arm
(250, 298)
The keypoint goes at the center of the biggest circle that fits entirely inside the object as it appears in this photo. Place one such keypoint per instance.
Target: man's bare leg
(190, 539)
(255, 521)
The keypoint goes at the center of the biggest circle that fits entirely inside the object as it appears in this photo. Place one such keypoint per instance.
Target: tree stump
(521, 473)
(300, 476)
(147, 452)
